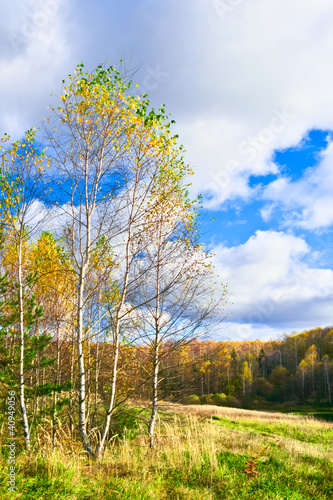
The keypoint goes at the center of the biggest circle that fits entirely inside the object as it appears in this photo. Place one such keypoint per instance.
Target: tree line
(297, 369)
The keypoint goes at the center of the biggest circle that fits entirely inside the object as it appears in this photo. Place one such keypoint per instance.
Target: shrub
(192, 399)
(125, 422)
(262, 387)
(232, 402)
(206, 399)
(219, 399)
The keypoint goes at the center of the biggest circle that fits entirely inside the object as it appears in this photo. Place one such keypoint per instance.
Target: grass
(201, 453)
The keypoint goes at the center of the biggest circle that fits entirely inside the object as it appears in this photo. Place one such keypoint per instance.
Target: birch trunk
(82, 377)
(72, 389)
(116, 325)
(156, 345)
(36, 405)
(55, 395)
(21, 371)
(100, 445)
(97, 363)
(328, 383)
(151, 427)
(88, 384)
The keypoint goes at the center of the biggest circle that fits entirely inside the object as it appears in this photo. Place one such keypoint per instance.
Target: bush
(192, 399)
(125, 422)
(206, 399)
(219, 399)
(232, 402)
(262, 387)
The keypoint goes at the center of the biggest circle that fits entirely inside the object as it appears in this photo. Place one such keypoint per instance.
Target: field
(202, 452)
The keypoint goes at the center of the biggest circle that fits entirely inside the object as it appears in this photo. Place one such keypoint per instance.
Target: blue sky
(250, 87)
(240, 219)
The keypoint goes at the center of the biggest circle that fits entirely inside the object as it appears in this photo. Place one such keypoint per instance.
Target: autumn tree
(55, 289)
(328, 368)
(22, 167)
(106, 151)
(311, 361)
(176, 299)
(246, 377)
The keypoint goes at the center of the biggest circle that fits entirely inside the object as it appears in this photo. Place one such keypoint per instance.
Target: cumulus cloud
(272, 284)
(241, 82)
(260, 62)
(36, 55)
(307, 202)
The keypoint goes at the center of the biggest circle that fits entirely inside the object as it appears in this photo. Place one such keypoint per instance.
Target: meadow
(202, 452)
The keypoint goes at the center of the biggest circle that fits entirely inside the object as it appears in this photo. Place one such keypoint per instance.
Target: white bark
(156, 343)
(21, 370)
(116, 324)
(82, 378)
(328, 382)
(151, 427)
(101, 443)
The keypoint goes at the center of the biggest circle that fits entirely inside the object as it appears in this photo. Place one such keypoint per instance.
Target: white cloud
(239, 85)
(33, 63)
(307, 201)
(257, 61)
(271, 284)
(234, 331)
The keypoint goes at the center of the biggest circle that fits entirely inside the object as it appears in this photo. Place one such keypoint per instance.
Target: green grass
(196, 457)
(319, 414)
(298, 430)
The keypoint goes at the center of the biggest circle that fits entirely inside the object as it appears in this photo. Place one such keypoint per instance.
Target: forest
(293, 371)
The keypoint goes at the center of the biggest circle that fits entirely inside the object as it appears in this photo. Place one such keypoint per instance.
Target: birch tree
(327, 365)
(55, 289)
(22, 168)
(106, 148)
(177, 301)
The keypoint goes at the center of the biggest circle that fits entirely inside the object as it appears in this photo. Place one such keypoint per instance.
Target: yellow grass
(188, 439)
(233, 413)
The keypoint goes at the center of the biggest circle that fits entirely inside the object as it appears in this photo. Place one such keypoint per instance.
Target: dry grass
(242, 441)
(233, 413)
(196, 457)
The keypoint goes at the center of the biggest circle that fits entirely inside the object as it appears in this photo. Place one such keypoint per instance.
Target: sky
(250, 86)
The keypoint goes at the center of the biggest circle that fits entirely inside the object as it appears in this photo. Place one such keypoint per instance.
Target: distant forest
(295, 370)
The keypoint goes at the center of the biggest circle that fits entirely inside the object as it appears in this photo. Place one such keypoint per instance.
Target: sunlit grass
(201, 453)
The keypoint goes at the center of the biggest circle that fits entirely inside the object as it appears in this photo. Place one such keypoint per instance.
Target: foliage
(192, 399)
(295, 370)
